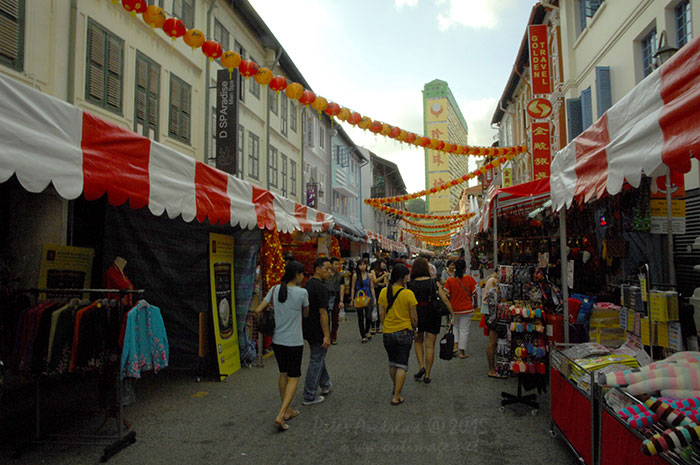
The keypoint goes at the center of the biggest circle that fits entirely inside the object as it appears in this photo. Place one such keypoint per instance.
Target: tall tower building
(442, 119)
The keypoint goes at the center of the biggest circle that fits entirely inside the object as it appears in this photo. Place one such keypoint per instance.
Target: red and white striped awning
(46, 140)
(654, 128)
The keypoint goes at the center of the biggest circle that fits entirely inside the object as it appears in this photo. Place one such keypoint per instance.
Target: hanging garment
(145, 341)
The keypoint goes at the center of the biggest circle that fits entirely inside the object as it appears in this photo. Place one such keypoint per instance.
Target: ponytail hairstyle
(291, 271)
(399, 272)
(460, 268)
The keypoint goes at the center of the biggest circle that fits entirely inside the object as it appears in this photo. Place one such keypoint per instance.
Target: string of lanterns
(432, 226)
(175, 28)
(423, 216)
(432, 231)
(375, 202)
(424, 236)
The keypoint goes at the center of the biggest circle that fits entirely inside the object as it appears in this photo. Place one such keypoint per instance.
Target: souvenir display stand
(523, 349)
(573, 407)
(108, 377)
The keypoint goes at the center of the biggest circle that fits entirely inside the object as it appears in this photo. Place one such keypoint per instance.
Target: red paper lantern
(248, 68)
(332, 109)
(410, 138)
(212, 49)
(135, 6)
(424, 141)
(376, 127)
(354, 118)
(307, 98)
(174, 28)
(278, 83)
(394, 133)
(440, 145)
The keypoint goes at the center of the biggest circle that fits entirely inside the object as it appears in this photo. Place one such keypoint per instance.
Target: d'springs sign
(226, 126)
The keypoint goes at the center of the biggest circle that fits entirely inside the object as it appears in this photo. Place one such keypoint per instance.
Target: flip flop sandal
(294, 414)
(397, 403)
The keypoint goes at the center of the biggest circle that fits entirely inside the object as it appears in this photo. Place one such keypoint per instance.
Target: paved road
(456, 419)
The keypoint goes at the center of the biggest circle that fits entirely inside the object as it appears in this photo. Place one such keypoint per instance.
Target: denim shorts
(398, 348)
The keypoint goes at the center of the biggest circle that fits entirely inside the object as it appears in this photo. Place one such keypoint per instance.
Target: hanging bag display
(447, 343)
(361, 299)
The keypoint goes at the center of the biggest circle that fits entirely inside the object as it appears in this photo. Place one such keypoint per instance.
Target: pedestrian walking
(317, 334)
(362, 286)
(429, 320)
(337, 291)
(290, 302)
(462, 290)
(448, 272)
(489, 303)
(380, 278)
(397, 311)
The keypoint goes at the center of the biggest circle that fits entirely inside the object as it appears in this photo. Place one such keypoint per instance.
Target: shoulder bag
(447, 345)
(266, 324)
(436, 303)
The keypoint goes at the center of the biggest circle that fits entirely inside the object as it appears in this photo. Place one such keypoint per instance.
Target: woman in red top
(462, 289)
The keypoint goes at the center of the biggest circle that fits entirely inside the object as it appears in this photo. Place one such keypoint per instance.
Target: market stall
(652, 132)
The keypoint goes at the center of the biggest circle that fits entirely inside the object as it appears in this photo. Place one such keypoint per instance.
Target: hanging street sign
(539, 108)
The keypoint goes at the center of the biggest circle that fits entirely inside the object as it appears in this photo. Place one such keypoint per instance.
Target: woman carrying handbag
(290, 302)
(429, 318)
(380, 279)
(363, 298)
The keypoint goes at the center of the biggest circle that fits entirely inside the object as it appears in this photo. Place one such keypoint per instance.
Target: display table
(572, 416)
(620, 445)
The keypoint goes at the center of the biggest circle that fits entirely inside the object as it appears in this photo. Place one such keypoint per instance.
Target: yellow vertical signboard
(223, 303)
(65, 267)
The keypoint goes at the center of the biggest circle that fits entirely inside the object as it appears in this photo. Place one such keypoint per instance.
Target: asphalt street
(455, 419)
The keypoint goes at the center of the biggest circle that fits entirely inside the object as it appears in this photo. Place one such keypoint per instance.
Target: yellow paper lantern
(344, 114)
(294, 90)
(263, 76)
(194, 38)
(319, 104)
(386, 129)
(365, 122)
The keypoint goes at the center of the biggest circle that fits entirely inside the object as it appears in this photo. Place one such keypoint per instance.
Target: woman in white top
(290, 302)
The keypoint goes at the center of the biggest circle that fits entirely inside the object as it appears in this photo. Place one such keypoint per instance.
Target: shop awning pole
(564, 271)
(669, 217)
(495, 233)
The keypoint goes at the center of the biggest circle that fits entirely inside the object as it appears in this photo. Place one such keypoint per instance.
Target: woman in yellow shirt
(397, 312)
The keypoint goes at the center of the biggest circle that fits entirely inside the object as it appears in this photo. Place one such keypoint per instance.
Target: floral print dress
(145, 341)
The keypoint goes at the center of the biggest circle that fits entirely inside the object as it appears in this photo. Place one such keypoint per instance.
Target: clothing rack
(113, 443)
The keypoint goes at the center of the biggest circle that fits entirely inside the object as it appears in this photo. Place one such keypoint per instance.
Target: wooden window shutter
(141, 88)
(603, 92)
(573, 117)
(114, 74)
(174, 119)
(185, 113)
(10, 29)
(586, 108)
(153, 94)
(95, 87)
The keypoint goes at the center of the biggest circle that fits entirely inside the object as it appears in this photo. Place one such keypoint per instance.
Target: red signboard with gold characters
(539, 59)
(541, 150)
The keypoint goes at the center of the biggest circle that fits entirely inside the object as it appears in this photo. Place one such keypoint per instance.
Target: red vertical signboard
(539, 59)
(541, 150)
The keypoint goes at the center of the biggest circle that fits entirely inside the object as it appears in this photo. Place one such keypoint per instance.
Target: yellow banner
(223, 303)
(507, 177)
(439, 202)
(436, 110)
(65, 267)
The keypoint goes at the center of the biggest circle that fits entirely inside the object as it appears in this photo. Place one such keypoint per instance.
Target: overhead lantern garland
(175, 28)
(448, 185)
(423, 216)
(433, 226)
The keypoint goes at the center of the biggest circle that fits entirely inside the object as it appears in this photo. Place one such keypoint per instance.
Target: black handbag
(436, 303)
(266, 324)
(447, 345)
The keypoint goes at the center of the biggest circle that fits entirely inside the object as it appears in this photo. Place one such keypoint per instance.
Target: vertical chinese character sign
(539, 59)
(541, 150)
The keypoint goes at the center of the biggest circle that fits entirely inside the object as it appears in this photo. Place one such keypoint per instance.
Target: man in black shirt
(317, 334)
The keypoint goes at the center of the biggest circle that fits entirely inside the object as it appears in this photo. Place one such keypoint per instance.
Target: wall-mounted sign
(541, 150)
(539, 59)
(539, 108)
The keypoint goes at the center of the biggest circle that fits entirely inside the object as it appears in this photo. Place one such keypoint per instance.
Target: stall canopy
(349, 231)
(46, 140)
(536, 192)
(653, 128)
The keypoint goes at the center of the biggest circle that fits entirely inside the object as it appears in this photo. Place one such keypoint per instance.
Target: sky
(375, 56)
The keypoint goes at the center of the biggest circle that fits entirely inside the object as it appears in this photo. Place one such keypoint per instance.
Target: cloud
(478, 14)
(399, 4)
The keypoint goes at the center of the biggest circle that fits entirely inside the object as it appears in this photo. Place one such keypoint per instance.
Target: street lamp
(663, 51)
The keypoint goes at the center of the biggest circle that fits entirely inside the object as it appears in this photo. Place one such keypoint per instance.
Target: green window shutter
(12, 33)
(174, 117)
(153, 96)
(96, 64)
(114, 73)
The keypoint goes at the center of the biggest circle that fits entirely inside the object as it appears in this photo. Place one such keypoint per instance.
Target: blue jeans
(316, 374)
